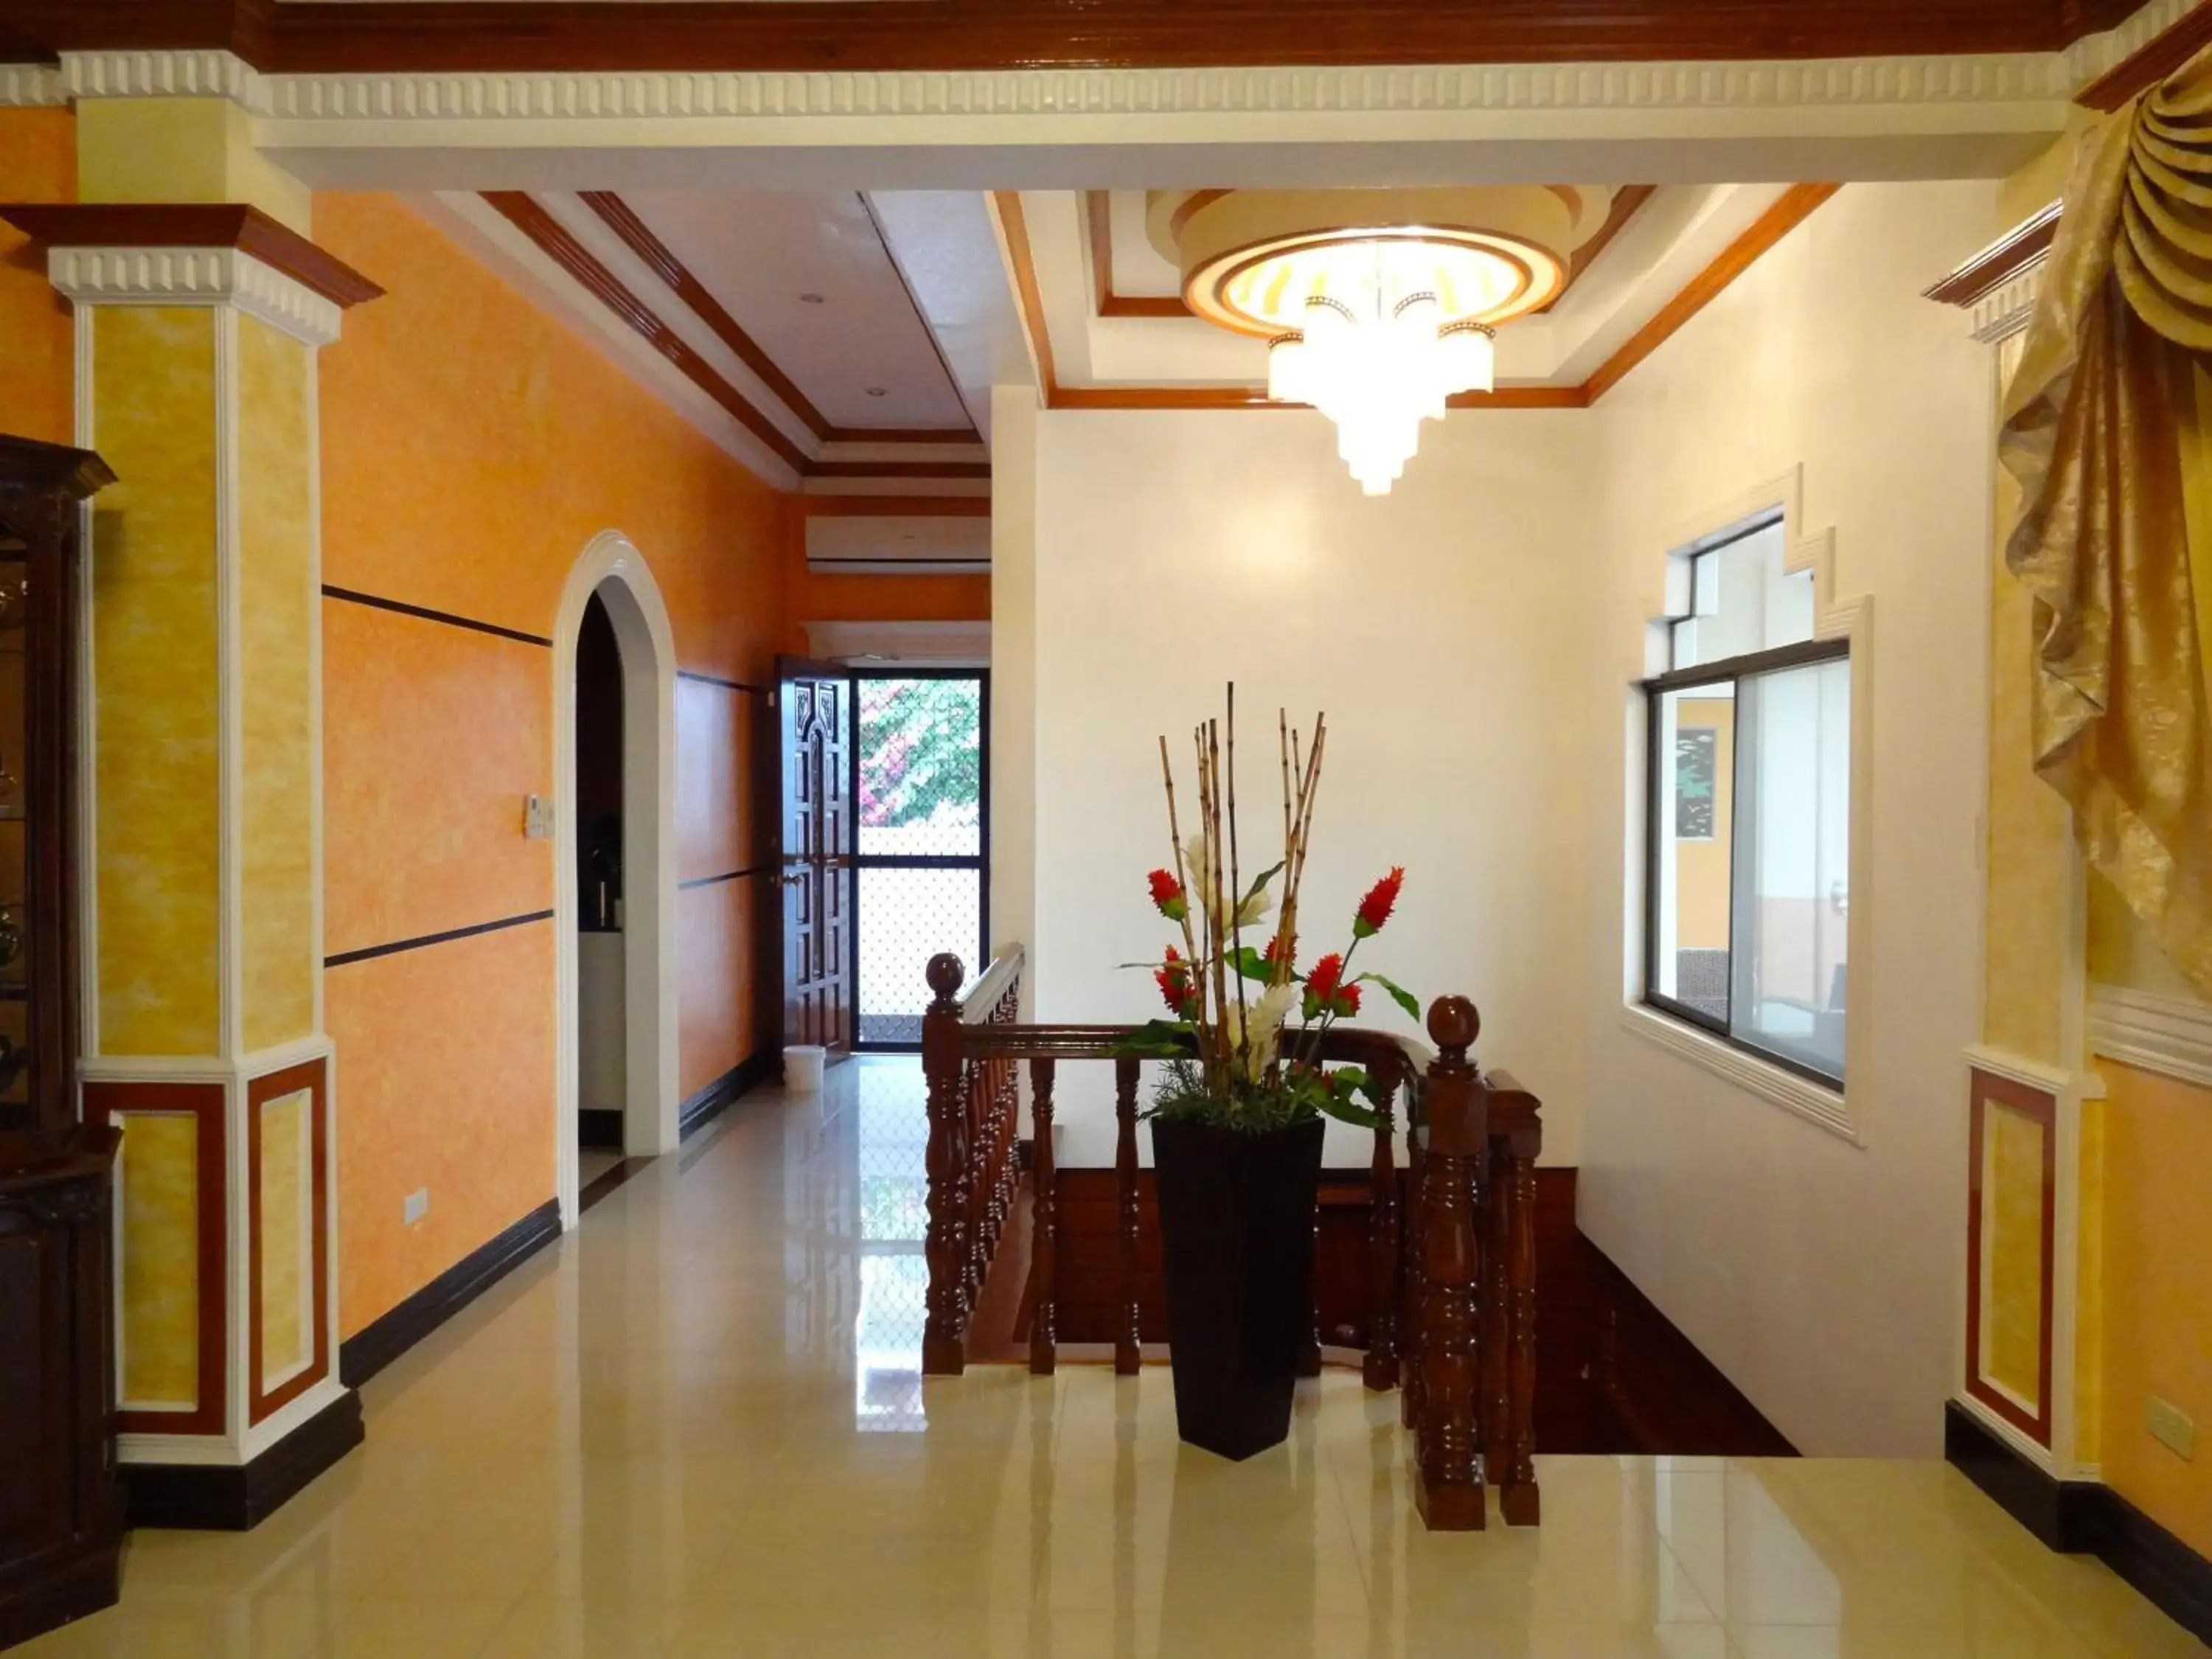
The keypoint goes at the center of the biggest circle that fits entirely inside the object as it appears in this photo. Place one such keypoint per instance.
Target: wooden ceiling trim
(920, 316)
(830, 35)
(186, 224)
(1790, 210)
(2149, 64)
(2001, 261)
(1028, 297)
(552, 238)
(894, 506)
(622, 219)
(1626, 202)
(1098, 209)
(1794, 206)
(899, 470)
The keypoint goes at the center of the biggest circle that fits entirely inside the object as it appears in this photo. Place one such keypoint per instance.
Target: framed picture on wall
(1696, 748)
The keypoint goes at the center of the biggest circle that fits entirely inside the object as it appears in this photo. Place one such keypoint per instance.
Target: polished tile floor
(696, 1428)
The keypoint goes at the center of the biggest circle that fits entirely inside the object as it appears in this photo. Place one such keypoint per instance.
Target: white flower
(1256, 1029)
(1254, 910)
(1201, 873)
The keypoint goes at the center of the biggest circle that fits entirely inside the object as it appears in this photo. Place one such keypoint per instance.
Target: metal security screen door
(921, 794)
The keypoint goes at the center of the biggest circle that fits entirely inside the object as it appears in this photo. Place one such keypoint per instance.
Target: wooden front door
(815, 863)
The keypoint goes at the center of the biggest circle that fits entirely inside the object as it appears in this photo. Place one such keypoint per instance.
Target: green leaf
(1259, 884)
(1247, 963)
(1158, 1039)
(1399, 994)
(1345, 1111)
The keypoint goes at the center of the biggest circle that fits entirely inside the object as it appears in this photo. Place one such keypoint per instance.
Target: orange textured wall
(471, 447)
(809, 598)
(2158, 1292)
(38, 374)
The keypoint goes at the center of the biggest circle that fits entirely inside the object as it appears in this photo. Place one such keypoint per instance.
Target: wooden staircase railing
(1452, 1276)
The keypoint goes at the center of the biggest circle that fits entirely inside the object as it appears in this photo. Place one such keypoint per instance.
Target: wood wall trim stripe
(523, 211)
(2001, 261)
(309, 1075)
(1791, 209)
(2148, 64)
(423, 613)
(716, 881)
(369, 953)
(816, 35)
(716, 679)
(105, 1102)
(638, 237)
(215, 224)
(1794, 206)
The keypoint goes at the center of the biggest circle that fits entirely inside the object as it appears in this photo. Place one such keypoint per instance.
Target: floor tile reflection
(697, 1427)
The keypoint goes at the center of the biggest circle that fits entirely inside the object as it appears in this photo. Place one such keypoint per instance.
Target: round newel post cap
(946, 975)
(1453, 1023)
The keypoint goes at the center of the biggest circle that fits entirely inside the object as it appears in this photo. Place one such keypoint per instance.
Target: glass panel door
(921, 789)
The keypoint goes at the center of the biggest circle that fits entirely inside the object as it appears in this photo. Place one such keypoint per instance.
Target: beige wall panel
(288, 1336)
(159, 1196)
(278, 613)
(154, 682)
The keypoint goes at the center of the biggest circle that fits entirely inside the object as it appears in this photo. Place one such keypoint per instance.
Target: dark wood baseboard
(207, 1498)
(2084, 1518)
(66, 1590)
(2065, 1514)
(607, 1179)
(377, 1344)
(1652, 1390)
(600, 1128)
(711, 1102)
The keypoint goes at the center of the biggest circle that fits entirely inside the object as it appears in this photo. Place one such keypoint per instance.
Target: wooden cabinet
(59, 1509)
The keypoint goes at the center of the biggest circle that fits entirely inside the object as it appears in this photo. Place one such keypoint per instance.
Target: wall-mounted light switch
(537, 817)
(417, 1205)
(2170, 1426)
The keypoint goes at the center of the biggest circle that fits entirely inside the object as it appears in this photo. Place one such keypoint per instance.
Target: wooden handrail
(1451, 1263)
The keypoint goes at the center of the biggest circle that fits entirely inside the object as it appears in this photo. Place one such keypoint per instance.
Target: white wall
(1437, 627)
(1818, 1275)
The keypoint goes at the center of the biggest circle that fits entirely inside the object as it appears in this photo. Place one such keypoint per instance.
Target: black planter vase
(1236, 1225)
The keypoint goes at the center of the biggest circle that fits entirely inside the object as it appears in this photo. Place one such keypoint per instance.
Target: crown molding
(31, 85)
(2172, 1035)
(207, 72)
(1998, 286)
(194, 275)
(171, 227)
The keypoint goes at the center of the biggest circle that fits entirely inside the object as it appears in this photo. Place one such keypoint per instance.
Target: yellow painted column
(197, 328)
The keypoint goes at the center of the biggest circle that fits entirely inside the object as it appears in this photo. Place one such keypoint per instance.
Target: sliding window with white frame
(1747, 809)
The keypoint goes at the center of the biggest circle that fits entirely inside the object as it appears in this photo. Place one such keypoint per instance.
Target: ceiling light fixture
(810, 299)
(1378, 305)
(878, 391)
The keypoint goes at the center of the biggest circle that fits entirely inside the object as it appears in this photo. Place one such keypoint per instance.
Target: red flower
(1375, 909)
(1167, 895)
(1322, 981)
(1175, 989)
(1278, 951)
(1348, 999)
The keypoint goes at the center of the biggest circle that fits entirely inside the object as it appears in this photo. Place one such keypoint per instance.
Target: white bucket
(802, 1068)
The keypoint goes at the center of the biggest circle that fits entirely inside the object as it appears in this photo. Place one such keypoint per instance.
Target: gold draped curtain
(2107, 424)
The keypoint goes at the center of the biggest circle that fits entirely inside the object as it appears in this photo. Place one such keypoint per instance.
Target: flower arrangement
(1235, 1058)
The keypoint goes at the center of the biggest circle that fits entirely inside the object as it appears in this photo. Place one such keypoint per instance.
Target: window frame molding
(1841, 626)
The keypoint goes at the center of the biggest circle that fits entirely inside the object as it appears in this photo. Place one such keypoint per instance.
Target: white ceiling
(758, 253)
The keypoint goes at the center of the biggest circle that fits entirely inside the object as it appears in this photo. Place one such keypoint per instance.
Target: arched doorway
(612, 570)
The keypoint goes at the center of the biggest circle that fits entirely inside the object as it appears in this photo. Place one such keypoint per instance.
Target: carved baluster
(1380, 1369)
(944, 1342)
(1518, 1499)
(1409, 1397)
(1497, 1382)
(1127, 1355)
(975, 1149)
(1044, 1226)
(1448, 1489)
